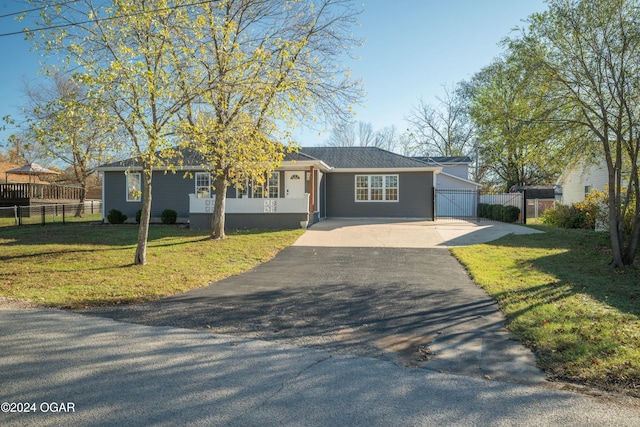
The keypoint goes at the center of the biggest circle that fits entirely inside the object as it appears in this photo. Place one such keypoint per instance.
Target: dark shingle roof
(334, 157)
(360, 157)
(444, 160)
(183, 157)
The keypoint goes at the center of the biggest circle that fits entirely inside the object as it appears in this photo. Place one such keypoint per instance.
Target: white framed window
(203, 185)
(270, 189)
(134, 186)
(273, 185)
(377, 188)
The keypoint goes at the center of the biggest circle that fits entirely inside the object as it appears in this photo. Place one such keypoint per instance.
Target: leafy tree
(590, 51)
(68, 126)
(263, 63)
(445, 129)
(125, 53)
(519, 141)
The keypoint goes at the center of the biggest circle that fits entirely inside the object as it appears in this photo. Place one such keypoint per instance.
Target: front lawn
(561, 299)
(74, 266)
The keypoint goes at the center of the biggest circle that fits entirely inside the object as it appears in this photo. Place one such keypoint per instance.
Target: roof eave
(435, 170)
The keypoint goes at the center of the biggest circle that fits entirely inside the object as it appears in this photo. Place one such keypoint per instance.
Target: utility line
(94, 21)
(20, 12)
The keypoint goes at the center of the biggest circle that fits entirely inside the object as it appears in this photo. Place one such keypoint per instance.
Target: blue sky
(412, 48)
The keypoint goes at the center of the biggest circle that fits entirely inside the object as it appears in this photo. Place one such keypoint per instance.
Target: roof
(445, 160)
(5, 166)
(330, 157)
(361, 158)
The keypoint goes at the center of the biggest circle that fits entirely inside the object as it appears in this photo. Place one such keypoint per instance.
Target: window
(587, 190)
(134, 187)
(274, 185)
(255, 190)
(203, 185)
(376, 188)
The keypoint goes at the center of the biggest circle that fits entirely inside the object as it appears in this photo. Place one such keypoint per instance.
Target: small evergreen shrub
(483, 210)
(116, 217)
(510, 213)
(169, 216)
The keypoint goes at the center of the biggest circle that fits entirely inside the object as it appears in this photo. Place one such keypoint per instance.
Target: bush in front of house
(169, 216)
(116, 217)
(138, 215)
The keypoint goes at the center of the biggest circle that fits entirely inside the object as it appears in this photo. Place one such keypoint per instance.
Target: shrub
(138, 216)
(510, 213)
(169, 216)
(483, 210)
(565, 217)
(116, 217)
(495, 212)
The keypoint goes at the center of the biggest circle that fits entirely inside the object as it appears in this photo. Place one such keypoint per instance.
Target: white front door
(294, 184)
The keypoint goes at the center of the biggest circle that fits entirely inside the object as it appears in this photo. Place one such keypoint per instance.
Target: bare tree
(358, 134)
(444, 129)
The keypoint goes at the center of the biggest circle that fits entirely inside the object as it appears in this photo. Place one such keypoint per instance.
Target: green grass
(581, 317)
(77, 265)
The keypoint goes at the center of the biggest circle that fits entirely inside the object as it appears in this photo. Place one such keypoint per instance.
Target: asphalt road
(120, 374)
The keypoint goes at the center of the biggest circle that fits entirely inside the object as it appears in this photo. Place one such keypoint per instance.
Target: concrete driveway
(383, 289)
(393, 233)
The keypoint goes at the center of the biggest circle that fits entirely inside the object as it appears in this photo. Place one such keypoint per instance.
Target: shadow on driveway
(415, 307)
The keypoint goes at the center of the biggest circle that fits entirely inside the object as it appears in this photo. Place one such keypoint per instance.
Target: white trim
(383, 188)
(126, 187)
(195, 183)
(387, 171)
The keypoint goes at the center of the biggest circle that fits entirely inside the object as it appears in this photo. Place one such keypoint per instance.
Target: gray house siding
(415, 197)
(170, 191)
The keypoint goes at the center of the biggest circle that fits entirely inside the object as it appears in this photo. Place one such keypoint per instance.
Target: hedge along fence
(499, 212)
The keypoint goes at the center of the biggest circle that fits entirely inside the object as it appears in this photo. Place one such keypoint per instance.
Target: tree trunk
(143, 229)
(83, 196)
(217, 220)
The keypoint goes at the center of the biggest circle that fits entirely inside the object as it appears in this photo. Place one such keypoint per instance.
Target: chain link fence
(43, 214)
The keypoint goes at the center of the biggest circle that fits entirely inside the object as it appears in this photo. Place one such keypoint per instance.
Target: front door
(294, 184)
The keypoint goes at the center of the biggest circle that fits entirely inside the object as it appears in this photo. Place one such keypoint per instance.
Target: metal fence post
(44, 217)
(63, 215)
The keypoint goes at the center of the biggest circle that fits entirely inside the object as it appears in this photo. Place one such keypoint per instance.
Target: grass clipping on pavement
(78, 266)
(561, 299)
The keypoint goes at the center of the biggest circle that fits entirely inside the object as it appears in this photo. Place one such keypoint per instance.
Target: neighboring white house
(579, 179)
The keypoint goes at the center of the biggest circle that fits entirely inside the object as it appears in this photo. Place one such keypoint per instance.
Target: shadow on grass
(106, 235)
(581, 267)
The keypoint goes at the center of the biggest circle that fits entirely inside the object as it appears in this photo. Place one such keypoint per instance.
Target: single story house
(311, 184)
(579, 178)
(456, 194)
